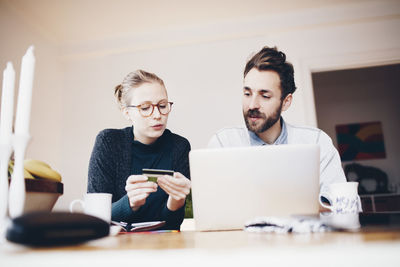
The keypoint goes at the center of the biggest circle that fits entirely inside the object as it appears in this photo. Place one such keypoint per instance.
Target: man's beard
(268, 122)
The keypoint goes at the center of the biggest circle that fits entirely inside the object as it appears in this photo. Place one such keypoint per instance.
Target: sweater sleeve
(101, 167)
(102, 174)
(121, 210)
(181, 161)
(181, 164)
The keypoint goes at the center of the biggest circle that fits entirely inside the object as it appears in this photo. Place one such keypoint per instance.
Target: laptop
(233, 185)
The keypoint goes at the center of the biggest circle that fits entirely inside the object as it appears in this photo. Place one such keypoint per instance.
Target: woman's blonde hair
(134, 80)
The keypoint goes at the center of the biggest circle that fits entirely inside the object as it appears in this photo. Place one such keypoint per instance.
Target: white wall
(203, 81)
(202, 68)
(45, 127)
(363, 95)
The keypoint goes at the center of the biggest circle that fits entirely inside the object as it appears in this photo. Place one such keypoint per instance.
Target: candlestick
(21, 136)
(6, 119)
(25, 93)
(5, 153)
(17, 186)
(7, 104)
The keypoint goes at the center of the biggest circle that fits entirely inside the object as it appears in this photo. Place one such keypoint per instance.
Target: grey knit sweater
(111, 164)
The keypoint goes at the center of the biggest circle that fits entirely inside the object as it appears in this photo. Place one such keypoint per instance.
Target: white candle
(25, 93)
(7, 104)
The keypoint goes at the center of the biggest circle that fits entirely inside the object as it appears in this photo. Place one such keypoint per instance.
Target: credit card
(153, 174)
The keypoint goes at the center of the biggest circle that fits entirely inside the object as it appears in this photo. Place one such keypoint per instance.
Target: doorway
(367, 98)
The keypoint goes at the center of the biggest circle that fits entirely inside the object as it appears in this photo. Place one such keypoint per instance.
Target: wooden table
(369, 247)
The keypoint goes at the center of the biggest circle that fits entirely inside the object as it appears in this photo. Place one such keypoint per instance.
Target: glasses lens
(146, 109)
(164, 108)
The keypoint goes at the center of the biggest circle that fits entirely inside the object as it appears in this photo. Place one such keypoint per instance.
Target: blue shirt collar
(282, 138)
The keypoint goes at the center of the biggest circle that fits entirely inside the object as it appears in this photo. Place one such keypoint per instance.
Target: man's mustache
(254, 113)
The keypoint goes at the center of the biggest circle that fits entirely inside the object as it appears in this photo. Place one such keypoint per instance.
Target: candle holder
(5, 153)
(17, 192)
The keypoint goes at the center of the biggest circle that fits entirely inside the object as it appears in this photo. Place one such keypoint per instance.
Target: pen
(163, 231)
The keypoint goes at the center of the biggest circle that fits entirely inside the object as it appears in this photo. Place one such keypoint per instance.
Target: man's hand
(177, 187)
(138, 189)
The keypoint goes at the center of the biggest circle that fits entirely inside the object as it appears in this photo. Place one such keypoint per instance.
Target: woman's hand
(138, 189)
(177, 187)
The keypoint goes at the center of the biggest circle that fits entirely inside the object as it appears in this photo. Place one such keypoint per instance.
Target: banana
(27, 175)
(38, 162)
(41, 169)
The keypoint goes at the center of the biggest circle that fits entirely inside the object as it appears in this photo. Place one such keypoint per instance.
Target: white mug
(343, 198)
(95, 204)
(345, 221)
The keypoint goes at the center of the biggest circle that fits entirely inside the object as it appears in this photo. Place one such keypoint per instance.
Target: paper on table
(139, 227)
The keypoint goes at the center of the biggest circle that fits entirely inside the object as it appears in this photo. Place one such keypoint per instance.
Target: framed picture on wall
(360, 141)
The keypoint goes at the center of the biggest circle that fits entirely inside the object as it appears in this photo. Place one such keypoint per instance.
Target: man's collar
(282, 138)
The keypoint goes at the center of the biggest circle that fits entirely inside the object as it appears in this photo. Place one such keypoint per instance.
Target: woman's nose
(156, 112)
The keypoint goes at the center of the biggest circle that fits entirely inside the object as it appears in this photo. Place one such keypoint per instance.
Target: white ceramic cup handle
(71, 206)
(359, 208)
(325, 195)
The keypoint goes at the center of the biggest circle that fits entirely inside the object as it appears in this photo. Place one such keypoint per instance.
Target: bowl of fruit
(42, 184)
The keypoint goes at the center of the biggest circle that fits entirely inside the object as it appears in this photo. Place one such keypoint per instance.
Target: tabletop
(368, 247)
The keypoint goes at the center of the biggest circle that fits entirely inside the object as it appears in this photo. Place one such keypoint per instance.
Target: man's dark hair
(272, 59)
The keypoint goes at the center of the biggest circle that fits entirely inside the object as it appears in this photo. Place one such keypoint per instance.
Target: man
(267, 92)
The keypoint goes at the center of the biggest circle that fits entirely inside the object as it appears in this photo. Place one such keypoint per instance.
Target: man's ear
(287, 102)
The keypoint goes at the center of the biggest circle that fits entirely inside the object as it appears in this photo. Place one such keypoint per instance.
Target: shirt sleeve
(230, 137)
(214, 142)
(331, 170)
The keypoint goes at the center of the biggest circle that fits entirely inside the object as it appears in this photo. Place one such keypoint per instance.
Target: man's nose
(254, 103)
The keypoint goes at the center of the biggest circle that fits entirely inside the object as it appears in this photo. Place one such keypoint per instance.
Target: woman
(119, 155)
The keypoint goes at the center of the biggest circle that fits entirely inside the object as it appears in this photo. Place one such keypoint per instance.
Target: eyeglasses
(147, 108)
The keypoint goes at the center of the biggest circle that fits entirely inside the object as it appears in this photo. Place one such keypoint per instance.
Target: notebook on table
(233, 185)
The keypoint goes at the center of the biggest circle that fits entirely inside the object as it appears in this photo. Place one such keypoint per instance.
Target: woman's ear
(287, 102)
(125, 113)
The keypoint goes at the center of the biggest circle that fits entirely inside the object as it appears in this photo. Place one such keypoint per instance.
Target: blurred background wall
(84, 49)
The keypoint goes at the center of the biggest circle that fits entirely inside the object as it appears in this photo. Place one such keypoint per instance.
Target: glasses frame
(152, 108)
